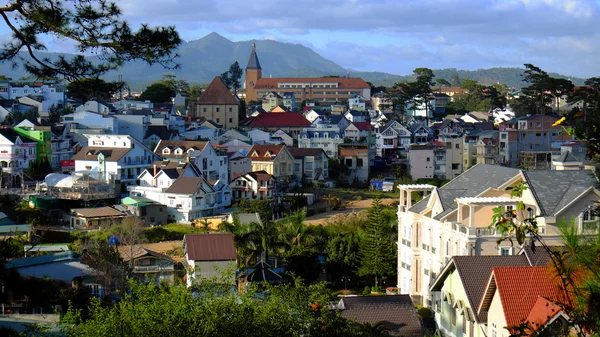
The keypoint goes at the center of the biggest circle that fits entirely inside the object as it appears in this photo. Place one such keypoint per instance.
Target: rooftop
(210, 247)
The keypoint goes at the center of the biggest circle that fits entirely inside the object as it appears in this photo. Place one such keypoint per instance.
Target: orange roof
(542, 312)
(217, 93)
(519, 289)
(343, 82)
(352, 150)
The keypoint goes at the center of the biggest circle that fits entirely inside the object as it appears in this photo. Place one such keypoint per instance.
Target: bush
(376, 289)
(366, 291)
(424, 312)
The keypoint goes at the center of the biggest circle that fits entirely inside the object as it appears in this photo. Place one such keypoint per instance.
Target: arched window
(166, 150)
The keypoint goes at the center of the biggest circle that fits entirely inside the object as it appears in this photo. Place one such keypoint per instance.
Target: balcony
(153, 269)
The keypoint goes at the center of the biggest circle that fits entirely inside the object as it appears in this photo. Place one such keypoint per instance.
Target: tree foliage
(57, 111)
(377, 253)
(93, 88)
(149, 310)
(541, 90)
(95, 26)
(584, 121)
(157, 93)
(232, 77)
(478, 97)
(416, 93)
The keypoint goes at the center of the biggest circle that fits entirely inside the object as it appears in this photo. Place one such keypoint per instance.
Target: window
(349, 162)
(453, 315)
(494, 330)
(203, 109)
(505, 251)
(455, 166)
(464, 321)
(230, 120)
(359, 162)
(218, 109)
(503, 136)
(428, 159)
(218, 119)
(448, 145)
(230, 109)
(457, 146)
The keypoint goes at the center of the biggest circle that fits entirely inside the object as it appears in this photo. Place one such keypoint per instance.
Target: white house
(120, 155)
(16, 151)
(211, 161)
(391, 137)
(183, 190)
(312, 114)
(357, 116)
(356, 102)
(281, 137)
(97, 106)
(134, 123)
(259, 136)
(48, 92)
(325, 136)
(210, 256)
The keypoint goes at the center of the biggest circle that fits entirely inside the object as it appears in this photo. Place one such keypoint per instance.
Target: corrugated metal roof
(210, 247)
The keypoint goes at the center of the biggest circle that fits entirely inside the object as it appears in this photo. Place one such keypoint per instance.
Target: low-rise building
(311, 166)
(218, 105)
(273, 159)
(356, 158)
(421, 161)
(325, 136)
(210, 256)
(252, 186)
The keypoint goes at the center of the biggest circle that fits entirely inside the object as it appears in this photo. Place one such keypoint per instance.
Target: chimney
(154, 174)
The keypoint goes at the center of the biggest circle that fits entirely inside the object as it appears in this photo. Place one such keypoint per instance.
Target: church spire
(253, 62)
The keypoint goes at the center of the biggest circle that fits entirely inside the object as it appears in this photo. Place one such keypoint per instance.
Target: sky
(396, 36)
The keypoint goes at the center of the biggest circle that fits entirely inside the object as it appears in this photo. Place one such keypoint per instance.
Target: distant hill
(203, 59)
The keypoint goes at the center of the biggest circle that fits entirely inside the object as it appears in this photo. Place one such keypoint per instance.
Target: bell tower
(253, 74)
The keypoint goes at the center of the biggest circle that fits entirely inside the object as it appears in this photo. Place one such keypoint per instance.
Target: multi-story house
(356, 102)
(210, 159)
(487, 151)
(381, 101)
(84, 123)
(218, 105)
(273, 159)
(472, 139)
(289, 101)
(48, 93)
(530, 133)
(134, 123)
(311, 166)
(41, 135)
(271, 100)
(420, 133)
(16, 152)
(183, 190)
(325, 136)
(119, 155)
(253, 185)
(357, 131)
(392, 137)
(454, 154)
(439, 159)
(319, 89)
(312, 115)
(239, 163)
(421, 161)
(97, 106)
(455, 219)
(356, 158)
(357, 116)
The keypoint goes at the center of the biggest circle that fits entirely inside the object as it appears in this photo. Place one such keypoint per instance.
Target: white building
(391, 137)
(356, 102)
(16, 151)
(120, 155)
(210, 160)
(48, 93)
(98, 106)
(252, 186)
(325, 136)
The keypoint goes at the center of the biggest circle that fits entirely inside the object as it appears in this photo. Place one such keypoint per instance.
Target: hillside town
(422, 218)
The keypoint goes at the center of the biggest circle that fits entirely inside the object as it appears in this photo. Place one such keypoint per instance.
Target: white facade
(95, 106)
(128, 167)
(324, 136)
(356, 103)
(16, 152)
(133, 125)
(51, 93)
(391, 137)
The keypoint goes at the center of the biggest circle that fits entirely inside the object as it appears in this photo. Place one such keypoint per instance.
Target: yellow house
(454, 219)
(273, 159)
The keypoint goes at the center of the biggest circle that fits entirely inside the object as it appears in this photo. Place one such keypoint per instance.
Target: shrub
(366, 291)
(424, 312)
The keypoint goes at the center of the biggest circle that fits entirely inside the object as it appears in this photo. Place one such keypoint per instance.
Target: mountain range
(203, 59)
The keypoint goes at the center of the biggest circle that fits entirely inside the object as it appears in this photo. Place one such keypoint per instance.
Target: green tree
(232, 77)
(157, 93)
(150, 310)
(418, 92)
(174, 84)
(377, 253)
(94, 26)
(87, 89)
(584, 122)
(57, 111)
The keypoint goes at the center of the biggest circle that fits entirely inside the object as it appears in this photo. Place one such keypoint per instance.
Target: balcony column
(402, 197)
(471, 216)
(409, 199)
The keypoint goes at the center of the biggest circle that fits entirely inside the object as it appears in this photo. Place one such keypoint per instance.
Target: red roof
(264, 152)
(210, 247)
(217, 93)
(342, 82)
(542, 312)
(362, 126)
(520, 287)
(279, 119)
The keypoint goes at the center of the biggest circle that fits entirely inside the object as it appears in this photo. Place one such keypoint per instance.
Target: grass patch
(349, 193)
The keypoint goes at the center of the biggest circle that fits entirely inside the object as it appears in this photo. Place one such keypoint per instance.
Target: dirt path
(354, 206)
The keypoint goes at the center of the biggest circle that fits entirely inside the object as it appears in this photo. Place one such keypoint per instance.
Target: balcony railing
(152, 269)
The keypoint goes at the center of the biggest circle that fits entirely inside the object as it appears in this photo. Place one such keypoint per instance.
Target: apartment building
(454, 219)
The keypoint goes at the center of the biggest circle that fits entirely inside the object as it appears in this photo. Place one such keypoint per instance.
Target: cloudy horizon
(397, 36)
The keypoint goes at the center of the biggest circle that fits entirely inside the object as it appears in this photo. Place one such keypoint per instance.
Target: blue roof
(5, 229)
(42, 259)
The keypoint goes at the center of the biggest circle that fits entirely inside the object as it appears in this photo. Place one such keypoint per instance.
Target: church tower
(253, 74)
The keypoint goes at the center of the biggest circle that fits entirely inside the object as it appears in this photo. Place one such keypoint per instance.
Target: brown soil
(352, 209)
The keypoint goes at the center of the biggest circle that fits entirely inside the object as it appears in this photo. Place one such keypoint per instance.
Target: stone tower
(253, 74)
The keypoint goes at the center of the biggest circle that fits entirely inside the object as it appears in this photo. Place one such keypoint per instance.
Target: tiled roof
(362, 126)
(520, 287)
(567, 157)
(343, 82)
(217, 93)
(210, 247)
(91, 153)
(126, 254)
(184, 144)
(253, 62)
(305, 152)
(474, 272)
(555, 189)
(186, 185)
(260, 176)
(97, 212)
(261, 151)
(397, 312)
(278, 119)
(542, 312)
(470, 183)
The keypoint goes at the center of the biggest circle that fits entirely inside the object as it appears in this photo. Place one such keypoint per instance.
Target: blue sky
(397, 36)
